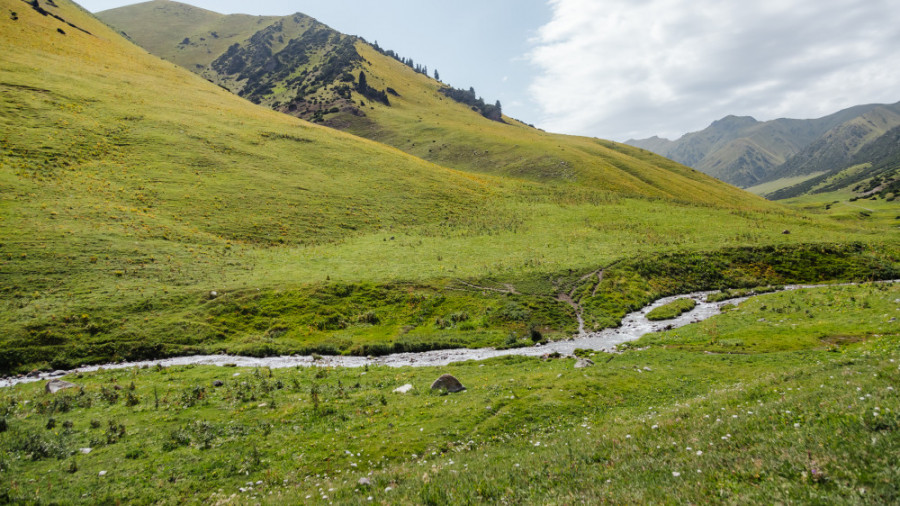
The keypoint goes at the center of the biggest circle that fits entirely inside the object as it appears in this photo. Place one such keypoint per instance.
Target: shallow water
(634, 325)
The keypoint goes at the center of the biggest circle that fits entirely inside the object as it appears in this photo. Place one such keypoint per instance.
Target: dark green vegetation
(746, 152)
(739, 292)
(811, 419)
(671, 310)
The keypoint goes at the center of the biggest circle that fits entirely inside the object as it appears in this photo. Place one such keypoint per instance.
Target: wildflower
(699, 452)
(627, 436)
(655, 427)
(796, 425)
(676, 474)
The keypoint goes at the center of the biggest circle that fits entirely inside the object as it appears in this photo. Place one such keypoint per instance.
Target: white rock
(402, 390)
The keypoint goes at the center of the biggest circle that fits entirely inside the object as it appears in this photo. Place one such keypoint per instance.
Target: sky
(620, 69)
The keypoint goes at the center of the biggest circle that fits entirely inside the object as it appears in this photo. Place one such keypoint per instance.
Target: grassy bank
(366, 318)
(814, 420)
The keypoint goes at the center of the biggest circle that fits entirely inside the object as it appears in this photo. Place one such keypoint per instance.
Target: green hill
(296, 65)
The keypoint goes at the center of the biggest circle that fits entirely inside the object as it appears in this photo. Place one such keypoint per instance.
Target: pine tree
(363, 85)
(437, 77)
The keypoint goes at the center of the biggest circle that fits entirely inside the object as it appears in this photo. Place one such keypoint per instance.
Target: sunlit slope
(106, 149)
(425, 123)
(299, 66)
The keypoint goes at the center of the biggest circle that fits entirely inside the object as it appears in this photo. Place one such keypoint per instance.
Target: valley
(149, 213)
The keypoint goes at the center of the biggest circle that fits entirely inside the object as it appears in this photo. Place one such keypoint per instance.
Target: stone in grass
(218, 383)
(583, 362)
(55, 385)
(402, 390)
(448, 383)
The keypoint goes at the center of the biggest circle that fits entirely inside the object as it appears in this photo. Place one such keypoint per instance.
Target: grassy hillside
(135, 188)
(837, 148)
(296, 65)
(147, 212)
(874, 171)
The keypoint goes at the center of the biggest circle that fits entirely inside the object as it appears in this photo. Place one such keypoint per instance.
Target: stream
(633, 326)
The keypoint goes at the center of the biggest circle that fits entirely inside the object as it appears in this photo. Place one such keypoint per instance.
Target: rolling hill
(746, 152)
(299, 66)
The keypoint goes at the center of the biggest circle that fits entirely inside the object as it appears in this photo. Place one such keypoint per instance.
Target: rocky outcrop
(448, 383)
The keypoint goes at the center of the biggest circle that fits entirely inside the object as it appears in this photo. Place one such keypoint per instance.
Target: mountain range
(747, 152)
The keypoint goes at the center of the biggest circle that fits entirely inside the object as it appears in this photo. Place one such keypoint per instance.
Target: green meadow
(147, 213)
(725, 410)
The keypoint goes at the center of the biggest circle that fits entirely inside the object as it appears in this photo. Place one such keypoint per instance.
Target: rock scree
(449, 383)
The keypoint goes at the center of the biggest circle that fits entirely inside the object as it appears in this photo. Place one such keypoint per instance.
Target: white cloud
(635, 68)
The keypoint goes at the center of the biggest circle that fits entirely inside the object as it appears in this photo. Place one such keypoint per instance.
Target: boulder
(55, 385)
(583, 362)
(448, 383)
(218, 383)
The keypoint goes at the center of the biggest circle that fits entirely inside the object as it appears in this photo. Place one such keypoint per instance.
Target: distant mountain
(839, 146)
(746, 152)
(873, 170)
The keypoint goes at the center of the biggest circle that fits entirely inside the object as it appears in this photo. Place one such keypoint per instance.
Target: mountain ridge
(747, 153)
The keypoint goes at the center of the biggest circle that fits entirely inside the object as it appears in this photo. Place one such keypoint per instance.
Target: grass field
(684, 418)
(771, 186)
